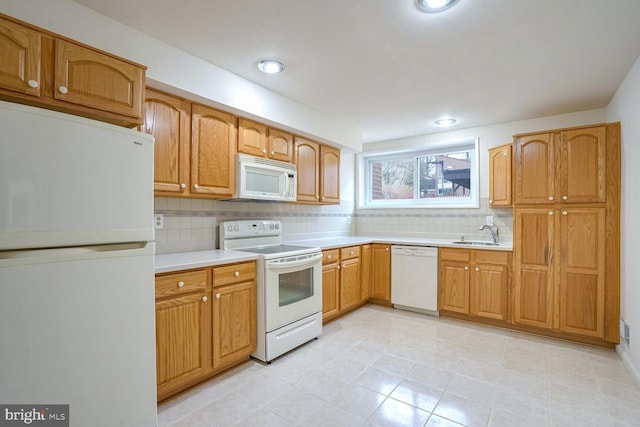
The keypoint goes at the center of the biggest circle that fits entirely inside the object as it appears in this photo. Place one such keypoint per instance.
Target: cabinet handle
(273, 153)
(477, 268)
(350, 252)
(565, 197)
(386, 249)
(195, 186)
(490, 201)
(32, 83)
(328, 256)
(217, 296)
(466, 267)
(180, 284)
(237, 273)
(204, 298)
(183, 185)
(338, 267)
(317, 197)
(63, 89)
(565, 213)
(550, 213)
(551, 198)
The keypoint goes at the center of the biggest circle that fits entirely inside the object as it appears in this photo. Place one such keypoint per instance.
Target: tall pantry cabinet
(566, 232)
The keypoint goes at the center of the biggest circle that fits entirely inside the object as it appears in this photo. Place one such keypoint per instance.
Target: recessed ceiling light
(433, 6)
(270, 66)
(445, 122)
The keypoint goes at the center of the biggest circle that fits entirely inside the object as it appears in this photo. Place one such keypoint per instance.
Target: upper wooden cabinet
(561, 167)
(500, 175)
(307, 160)
(318, 172)
(279, 145)
(329, 175)
(96, 80)
(213, 142)
(44, 69)
(21, 58)
(258, 140)
(252, 138)
(168, 119)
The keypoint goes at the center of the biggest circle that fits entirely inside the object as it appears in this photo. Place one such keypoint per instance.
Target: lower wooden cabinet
(205, 323)
(381, 260)
(341, 281)
(366, 272)
(182, 329)
(474, 282)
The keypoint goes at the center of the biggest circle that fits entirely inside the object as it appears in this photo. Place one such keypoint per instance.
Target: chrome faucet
(494, 231)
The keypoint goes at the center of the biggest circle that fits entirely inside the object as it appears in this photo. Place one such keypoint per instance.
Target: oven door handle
(275, 265)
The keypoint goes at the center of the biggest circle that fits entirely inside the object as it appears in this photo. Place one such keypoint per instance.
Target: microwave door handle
(284, 184)
(274, 265)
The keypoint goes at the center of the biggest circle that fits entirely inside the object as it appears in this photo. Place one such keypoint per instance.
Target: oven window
(295, 286)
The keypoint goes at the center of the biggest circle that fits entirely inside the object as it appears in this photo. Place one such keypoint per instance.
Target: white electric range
(289, 285)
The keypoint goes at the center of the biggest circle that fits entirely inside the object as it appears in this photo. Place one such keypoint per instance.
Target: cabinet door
(168, 119)
(181, 333)
(453, 289)
(280, 145)
(366, 273)
(581, 169)
(252, 138)
(234, 323)
(381, 271)
(330, 290)
(500, 176)
(349, 284)
(489, 291)
(533, 266)
(307, 159)
(582, 268)
(213, 142)
(86, 77)
(329, 175)
(534, 169)
(20, 52)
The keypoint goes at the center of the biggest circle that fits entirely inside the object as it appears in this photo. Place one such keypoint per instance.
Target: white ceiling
(388, 70)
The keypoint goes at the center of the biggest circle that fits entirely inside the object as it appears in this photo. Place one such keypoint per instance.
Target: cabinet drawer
(491, 257)
(178, 283)
(234, 273)
(454, 254)
(332, 255)
(350, 252)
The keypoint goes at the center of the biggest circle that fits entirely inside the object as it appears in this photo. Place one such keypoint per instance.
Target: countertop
(185, 260)
(165, 263)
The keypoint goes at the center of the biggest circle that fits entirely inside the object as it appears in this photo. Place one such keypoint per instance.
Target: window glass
(446, 176)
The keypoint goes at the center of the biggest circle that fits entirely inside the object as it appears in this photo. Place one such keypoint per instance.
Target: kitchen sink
(475, 243)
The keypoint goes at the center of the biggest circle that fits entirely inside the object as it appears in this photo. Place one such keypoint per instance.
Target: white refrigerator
(77, 318)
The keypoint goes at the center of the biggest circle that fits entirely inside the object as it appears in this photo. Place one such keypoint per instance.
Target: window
(445, 175)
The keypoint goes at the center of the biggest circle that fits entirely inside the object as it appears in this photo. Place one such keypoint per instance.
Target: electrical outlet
(489, 220)
(158, 221)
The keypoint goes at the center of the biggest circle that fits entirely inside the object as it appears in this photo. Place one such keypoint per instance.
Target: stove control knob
(277, 226)
(236, 228)
(271, 226)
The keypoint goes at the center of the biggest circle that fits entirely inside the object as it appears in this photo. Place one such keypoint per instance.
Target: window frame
(364, 189)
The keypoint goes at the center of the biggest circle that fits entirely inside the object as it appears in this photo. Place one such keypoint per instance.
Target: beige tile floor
(383, 367)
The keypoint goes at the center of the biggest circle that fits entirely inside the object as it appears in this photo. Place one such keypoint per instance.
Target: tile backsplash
(191, 224)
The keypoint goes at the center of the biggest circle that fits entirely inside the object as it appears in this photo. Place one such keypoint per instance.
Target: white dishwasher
(414, 278)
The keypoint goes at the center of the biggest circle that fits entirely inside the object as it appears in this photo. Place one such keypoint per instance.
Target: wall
(451, 223)
(625, 107)
(180, 73)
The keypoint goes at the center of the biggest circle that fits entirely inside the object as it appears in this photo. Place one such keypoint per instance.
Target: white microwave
(265, 179)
